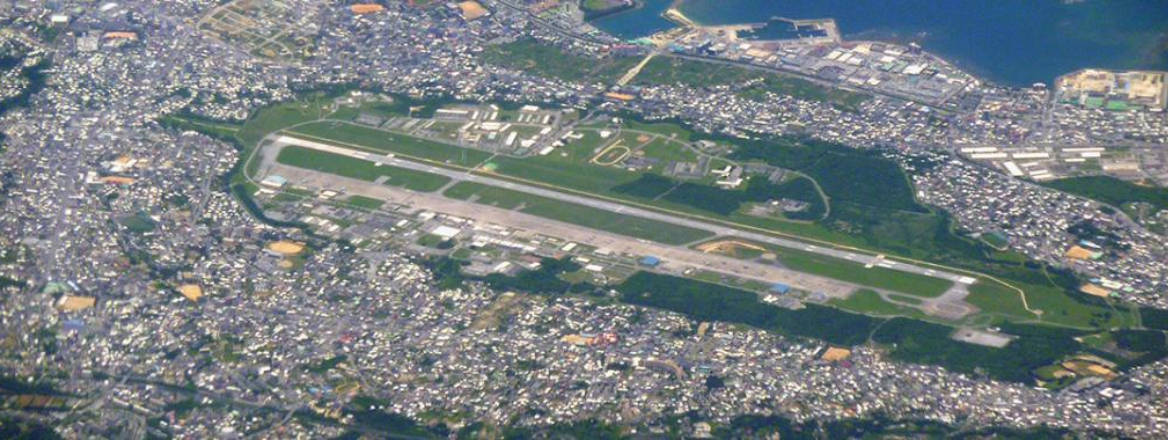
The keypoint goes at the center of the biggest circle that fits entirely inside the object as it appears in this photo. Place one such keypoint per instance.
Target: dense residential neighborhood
(166, 270)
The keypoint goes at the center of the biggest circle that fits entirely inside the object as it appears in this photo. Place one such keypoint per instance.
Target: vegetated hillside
(861, 177)
(1112, 191)
(548, 61)
(725, 201)
(909, 340)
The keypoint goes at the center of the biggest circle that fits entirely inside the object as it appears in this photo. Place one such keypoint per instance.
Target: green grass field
(1002, 303)
(878, 277)
(1112, 191)
(667, 129)
(280, 116)
(364, 202)
(582, 149)
(848, 271)
(667, 151)
(359, 169)
(906, 299)
(379, 140)
(869, 302)
(575, 214)
(557, 171)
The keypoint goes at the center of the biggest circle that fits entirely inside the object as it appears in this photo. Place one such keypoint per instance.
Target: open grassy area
(382, 141)
(582, 149)
(359, 169)
(283, 115)
(709, 200)
(1112, 191)
(876, 276)
(667, 151)
(1057, 307)
(555, 170)
(575, 214)
(869, 302)
(364, 202)
(906, 299)
(667, 129)
(677, 71)
(548, 61)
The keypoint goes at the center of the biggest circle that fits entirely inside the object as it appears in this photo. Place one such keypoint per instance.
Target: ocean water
(643, 21)
(1015, 42)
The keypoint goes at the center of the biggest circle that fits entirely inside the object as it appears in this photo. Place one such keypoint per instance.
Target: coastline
(1039, 52)
(673, 13)
(634, 5)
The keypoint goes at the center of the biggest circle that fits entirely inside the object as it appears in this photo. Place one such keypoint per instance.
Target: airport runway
(674, 259)
(720, 230)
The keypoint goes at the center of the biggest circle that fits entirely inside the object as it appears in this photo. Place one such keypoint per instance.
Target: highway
(621, 208)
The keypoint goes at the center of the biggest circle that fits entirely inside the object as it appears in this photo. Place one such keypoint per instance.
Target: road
(606, 205)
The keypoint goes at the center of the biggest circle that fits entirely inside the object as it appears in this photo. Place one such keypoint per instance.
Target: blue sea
(1015, 42)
